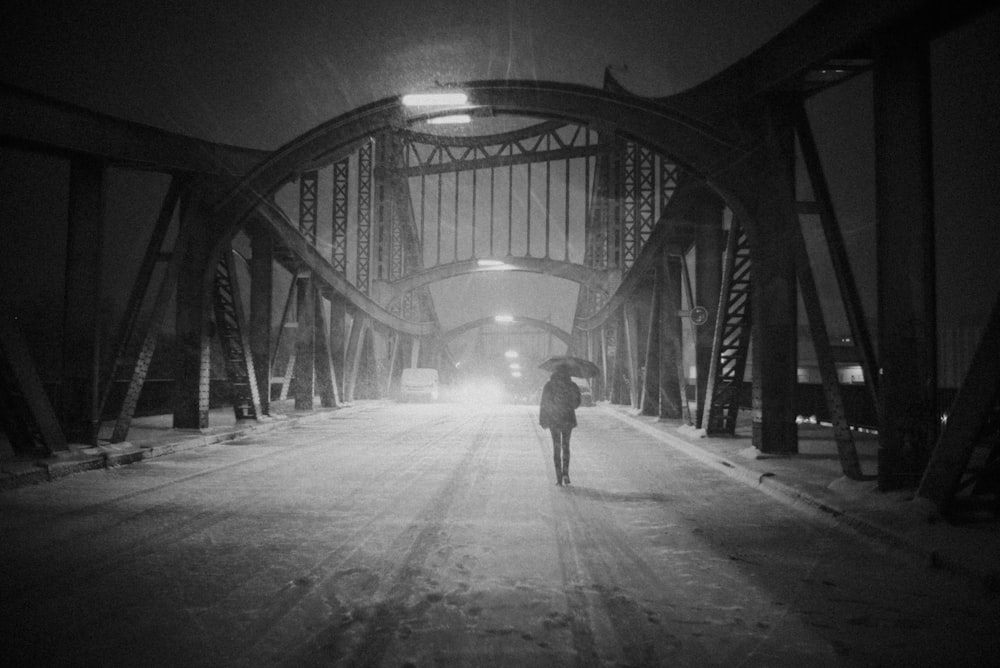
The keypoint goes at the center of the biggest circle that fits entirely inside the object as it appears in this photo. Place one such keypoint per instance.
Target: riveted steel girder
(43, 123)
(562, 334)
(326, 274)
(596, 278)
(695, 146)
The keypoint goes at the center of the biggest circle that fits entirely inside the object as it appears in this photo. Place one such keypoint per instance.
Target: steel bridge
(309, 272)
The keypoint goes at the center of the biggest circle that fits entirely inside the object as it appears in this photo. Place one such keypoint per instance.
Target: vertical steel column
(673, 386)
(774, 302)
(650, 401)
(907, 321)
(192, 372)
(364, 216)
(326, 374)
(631, 343)
(355, 347)
(303, 381)
(308, 196)
(261, 298)
(415, 353)
(338, 341)
(341, 181)
(604, 364)
(709, 246)
(81, 337)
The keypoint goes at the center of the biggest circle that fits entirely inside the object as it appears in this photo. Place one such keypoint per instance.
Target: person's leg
(565, 456)
(556, 453)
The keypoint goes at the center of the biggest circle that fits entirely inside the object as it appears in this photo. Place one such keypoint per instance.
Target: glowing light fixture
(515, 374)
(490, 263)
(510, 354)
(449, 99)
(503, 319)
(515, 366)
(452, 119)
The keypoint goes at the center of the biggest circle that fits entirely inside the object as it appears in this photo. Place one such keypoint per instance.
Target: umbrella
(576, 366)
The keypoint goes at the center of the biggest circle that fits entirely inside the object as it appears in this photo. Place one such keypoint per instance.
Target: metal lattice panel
(669, 173)
(645, 195)
(629, 247)
(732, 338)
(308, 195)
(364, 215)
(426, 154)
(341, 180)
(235, 349)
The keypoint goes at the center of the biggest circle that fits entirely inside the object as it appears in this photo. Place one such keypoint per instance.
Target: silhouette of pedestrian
(557, 413)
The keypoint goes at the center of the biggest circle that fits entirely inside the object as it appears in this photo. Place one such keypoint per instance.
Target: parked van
(419, 384)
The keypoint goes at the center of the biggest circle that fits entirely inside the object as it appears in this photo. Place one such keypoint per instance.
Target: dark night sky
(260, 73)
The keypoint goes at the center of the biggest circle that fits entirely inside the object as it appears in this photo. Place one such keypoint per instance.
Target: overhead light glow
(515, 374)
(490, 263)
(515, 366)
(510, 354)
(435, 99)
(503, 318)
(452, 119)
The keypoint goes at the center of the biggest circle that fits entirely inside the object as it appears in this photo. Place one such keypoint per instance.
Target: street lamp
(451, 119)
(449, 99)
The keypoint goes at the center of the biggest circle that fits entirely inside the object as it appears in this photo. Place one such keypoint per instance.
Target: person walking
(557, 413)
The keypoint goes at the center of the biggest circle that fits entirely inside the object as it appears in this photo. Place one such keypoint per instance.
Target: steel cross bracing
(428, 154)
(341, 181)
(231, 328)
(26, 414)
(732, 337)
(364, 216)
(308, 197)
(402, 201)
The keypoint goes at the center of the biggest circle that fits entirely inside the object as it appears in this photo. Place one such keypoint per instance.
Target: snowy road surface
(420, 535)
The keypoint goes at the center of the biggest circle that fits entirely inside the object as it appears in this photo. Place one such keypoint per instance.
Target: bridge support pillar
(80, 394)
(629, 345)
(415, 353)
(671, 390)
(261, 288)
(355, 344)
(709, 245)
(338, 341)
(907, 340)
(769, 195)
(650, 402)
(194, 307)
(303, 381)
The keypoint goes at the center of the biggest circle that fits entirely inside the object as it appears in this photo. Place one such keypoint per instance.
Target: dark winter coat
(560, 398)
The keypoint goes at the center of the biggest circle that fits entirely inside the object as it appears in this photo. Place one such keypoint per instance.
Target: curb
(79, 458)
(805, 502)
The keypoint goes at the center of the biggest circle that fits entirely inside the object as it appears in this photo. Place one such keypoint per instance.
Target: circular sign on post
(699, 315)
